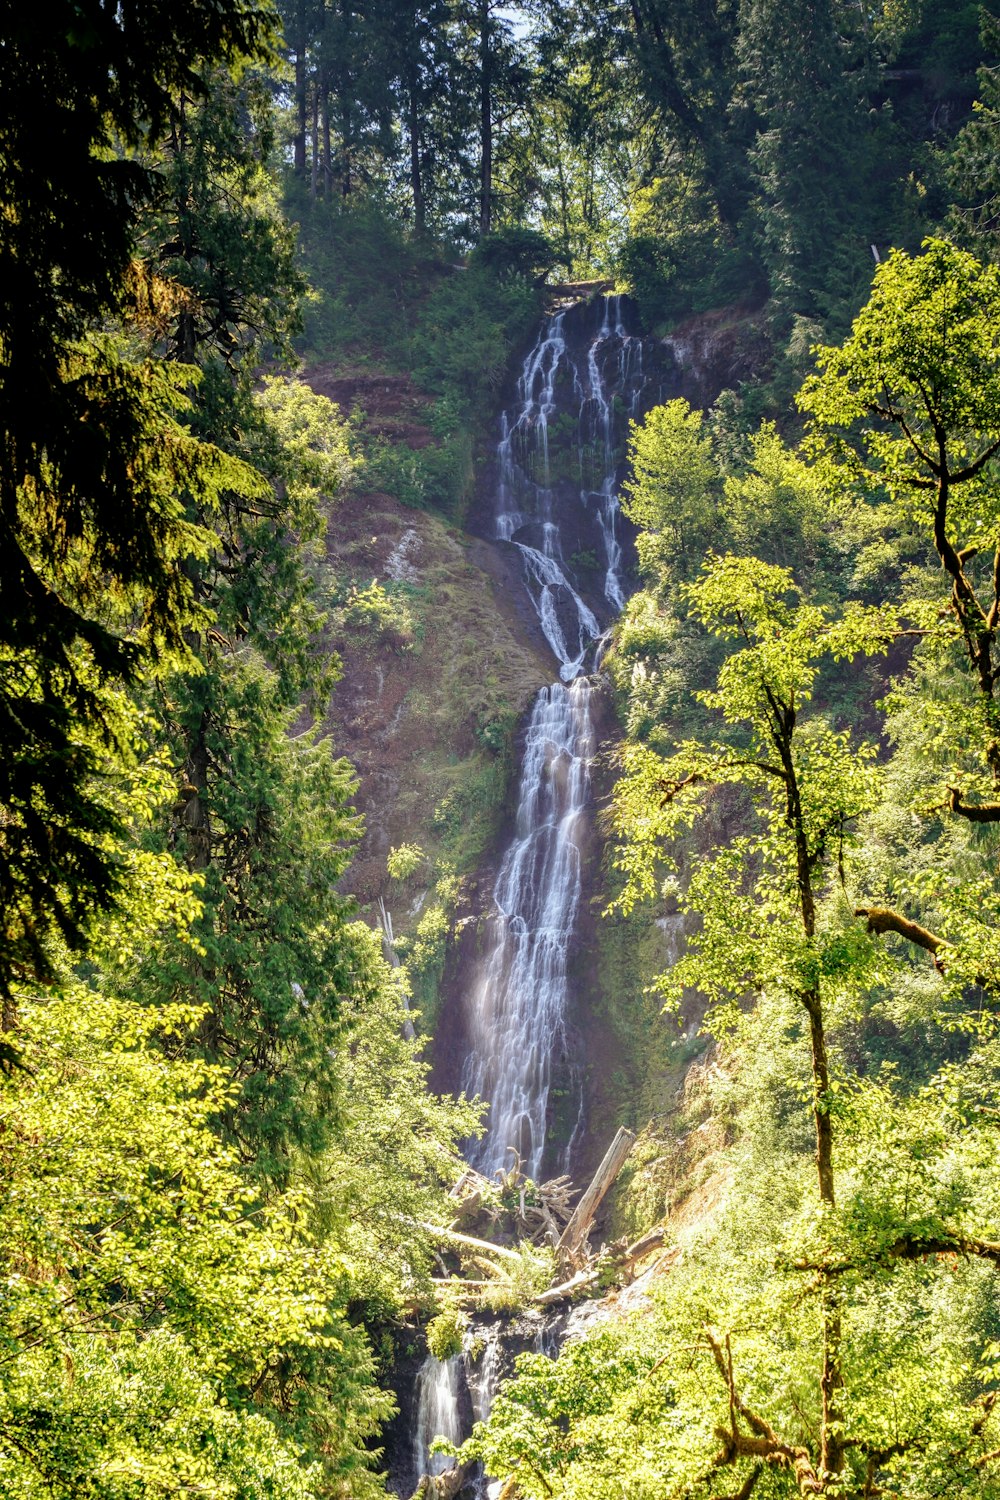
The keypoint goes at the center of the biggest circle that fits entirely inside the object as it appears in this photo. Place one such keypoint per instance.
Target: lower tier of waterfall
(518, 1004)
(437, 1412)
(461, 1390)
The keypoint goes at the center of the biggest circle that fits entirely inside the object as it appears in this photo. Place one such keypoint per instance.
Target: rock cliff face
(432, 686)
(432, 709)
(716, 351)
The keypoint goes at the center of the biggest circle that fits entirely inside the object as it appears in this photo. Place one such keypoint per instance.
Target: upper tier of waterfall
(559, 459)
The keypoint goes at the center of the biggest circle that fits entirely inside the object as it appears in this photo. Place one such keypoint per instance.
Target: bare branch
(670, 789)
(917, 448)
(909, 1247)
(765, 1443)
(882, 919)
(748, 1486)
(891, 413)
(971, 470)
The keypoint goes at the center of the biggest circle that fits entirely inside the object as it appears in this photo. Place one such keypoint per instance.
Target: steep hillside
(442, 653)
(434, 680)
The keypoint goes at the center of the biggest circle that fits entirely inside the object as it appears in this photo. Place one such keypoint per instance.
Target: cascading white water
(438, 1387)
(517, 1010)
(484, 1378)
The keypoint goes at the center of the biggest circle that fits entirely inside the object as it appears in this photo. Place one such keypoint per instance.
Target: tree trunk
(327, 161)
(314, 180)
(299, 139)
(783, 719)
(195, 815)
(485, 120)
(831, 1455)
(416, 172)
(978, 627)
(832, 1380)
(346, 98)
(564, 212)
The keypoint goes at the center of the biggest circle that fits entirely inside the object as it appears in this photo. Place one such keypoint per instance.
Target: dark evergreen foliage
(93, 463)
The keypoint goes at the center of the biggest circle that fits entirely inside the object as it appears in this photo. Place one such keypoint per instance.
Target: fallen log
(575, 1234)
(468, 1208)
(470, 1181)
(652, 1241)
(575, 290)
(590, 1275)
(567, 1290)
(459, 1283)
(452, 1237)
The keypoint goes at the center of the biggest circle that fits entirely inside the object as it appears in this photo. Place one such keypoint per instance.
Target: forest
(499, 750)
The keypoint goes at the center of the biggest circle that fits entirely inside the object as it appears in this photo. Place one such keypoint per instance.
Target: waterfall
(518, 1006)
(437, 1412)
(484, 1381)
(577, 388)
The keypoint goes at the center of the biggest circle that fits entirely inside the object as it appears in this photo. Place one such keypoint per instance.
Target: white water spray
(438, 1387)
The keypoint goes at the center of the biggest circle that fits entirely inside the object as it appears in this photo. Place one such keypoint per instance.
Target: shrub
(518, 250)
(516, 1285)
(445, 1333)
(378, 613)
(469, 327)
(404, 860)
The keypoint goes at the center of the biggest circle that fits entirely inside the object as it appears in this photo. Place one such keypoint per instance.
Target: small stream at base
(559, 463)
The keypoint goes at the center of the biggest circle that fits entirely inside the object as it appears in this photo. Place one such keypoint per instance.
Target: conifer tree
(93, 459)
(806, 154)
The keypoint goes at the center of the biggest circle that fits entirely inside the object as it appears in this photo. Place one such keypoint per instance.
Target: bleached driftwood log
(652, 1241)
(624, 1260)
(567, 1290)
(469, 1242)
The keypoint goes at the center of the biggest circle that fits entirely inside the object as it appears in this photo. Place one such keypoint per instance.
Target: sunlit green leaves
(915, 390)
(671, 494)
